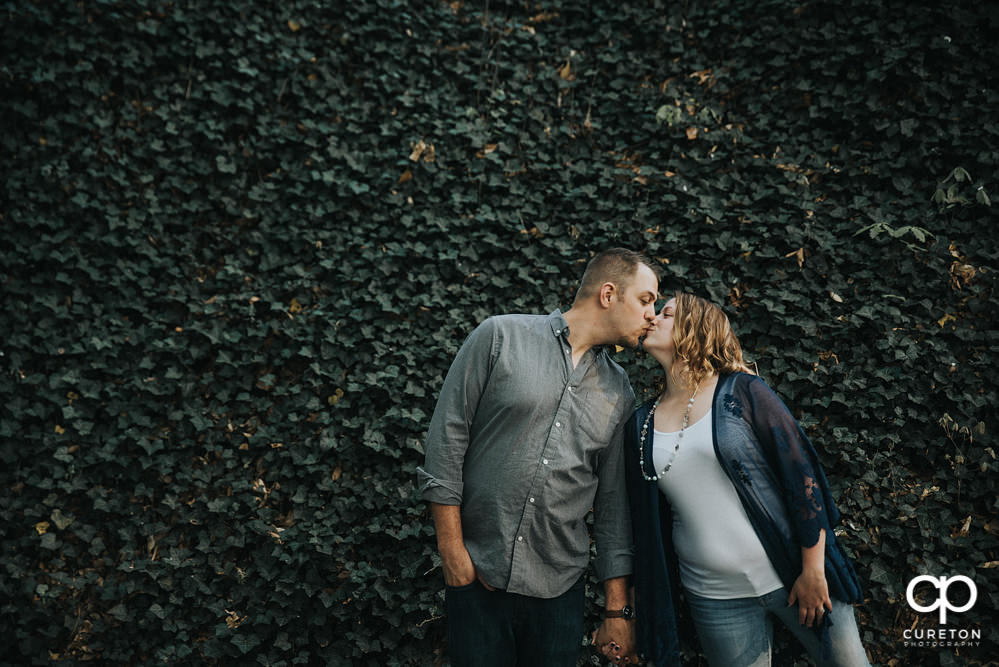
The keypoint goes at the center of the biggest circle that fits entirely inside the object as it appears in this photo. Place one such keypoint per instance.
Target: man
(525, 439)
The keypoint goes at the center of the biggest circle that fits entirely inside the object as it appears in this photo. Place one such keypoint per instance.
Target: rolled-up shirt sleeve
(440, 478)
(612, 517)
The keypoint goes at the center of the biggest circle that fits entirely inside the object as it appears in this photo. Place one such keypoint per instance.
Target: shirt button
(558, 424)
(520, 539)
(544, 461)
(567, 350)
(532, 500)
(572, 389)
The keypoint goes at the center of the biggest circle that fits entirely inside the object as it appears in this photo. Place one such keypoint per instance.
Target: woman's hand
(616, 640)
(811, 592)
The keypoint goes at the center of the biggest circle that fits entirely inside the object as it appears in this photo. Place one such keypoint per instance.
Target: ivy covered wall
(242, 242)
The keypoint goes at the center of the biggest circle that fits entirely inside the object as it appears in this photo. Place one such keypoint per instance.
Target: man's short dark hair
(616, 265)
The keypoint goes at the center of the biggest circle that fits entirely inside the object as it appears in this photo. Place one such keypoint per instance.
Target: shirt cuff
(440, 491)
(618, 564)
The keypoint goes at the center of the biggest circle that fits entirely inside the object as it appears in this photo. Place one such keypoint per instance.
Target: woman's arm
(810, 590)
(803, 483)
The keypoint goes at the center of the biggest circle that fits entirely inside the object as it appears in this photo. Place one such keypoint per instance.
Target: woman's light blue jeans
(739, 632)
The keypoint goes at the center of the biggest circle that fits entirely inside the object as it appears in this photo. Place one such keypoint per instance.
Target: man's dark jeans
(499, 629)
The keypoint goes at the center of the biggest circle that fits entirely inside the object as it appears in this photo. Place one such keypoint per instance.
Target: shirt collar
(558, 324)
(560, 329)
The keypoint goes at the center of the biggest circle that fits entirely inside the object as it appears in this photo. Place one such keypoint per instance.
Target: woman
(729, 502)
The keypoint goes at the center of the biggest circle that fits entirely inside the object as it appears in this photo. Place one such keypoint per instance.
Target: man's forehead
(645, 280)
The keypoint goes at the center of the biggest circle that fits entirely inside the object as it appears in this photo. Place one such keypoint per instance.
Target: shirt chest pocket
(596, 417)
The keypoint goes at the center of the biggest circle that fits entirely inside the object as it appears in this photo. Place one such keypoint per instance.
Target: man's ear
(607, 293)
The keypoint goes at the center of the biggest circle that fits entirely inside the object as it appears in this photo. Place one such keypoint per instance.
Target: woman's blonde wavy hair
(702, 337)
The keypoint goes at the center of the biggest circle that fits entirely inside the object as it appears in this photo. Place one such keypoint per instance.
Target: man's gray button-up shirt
(527, 444)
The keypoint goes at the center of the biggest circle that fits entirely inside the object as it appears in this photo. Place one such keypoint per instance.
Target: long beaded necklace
(679, 436)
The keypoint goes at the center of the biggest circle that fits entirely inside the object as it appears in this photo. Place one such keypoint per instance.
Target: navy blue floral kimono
(777, 476)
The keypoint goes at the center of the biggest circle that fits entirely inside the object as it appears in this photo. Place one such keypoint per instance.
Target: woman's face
(660, 338)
